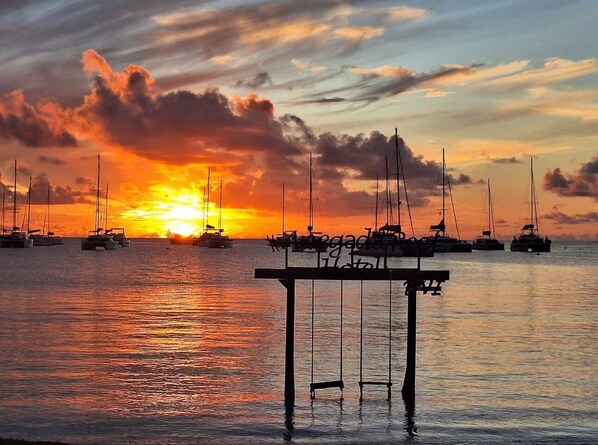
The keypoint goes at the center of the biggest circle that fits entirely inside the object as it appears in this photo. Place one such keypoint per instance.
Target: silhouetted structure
(414, 279)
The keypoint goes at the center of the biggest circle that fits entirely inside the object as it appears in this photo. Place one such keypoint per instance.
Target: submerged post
(289, 358)
(408, 390)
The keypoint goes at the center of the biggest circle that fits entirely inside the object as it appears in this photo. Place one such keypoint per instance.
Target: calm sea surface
(178, 345)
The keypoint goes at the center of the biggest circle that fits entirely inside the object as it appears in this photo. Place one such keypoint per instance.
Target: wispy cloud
(554, 71)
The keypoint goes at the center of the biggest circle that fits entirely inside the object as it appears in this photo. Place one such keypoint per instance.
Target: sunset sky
(164, 89)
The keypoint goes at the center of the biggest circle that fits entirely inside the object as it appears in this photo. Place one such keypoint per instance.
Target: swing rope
(333, 383)
(389, 337)
(341, 351)
(313, 310)
(362, 383)
(361, 340)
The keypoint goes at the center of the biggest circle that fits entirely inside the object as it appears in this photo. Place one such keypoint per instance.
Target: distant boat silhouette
(285, 238)
(96, 239)
(390, 240)
(218, 240)
(209, 230)
(443, 242)
(312, 242)
(46, 237)
(486, 242)
(15, 238)
(530, 240)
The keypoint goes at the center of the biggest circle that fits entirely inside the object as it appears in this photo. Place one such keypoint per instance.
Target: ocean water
(160, 344)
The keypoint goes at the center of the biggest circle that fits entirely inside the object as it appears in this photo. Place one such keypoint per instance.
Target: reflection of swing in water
(340, 383)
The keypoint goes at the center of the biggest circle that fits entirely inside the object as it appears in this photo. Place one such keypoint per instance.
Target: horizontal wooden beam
(335, 273)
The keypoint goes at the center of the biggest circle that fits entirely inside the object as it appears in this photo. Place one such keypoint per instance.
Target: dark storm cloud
(177, 127)
(582, 183)
(363, 157)
(511, 160)
(259, 80)
(32, 126)
(58, 194)
(561, 218)
(50, 160)
(84, 181)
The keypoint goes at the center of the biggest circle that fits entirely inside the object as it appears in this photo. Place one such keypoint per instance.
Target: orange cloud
(359, 33)
(33, 126)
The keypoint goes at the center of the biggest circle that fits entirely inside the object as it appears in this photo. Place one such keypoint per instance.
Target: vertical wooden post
(289, 358)
(408, 390)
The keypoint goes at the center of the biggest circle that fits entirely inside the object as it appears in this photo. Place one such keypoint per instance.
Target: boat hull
(488, 244)
(15, 242)
(46, 241)
(102, 242)
(537, 245)
(220, 244)
(452, 245)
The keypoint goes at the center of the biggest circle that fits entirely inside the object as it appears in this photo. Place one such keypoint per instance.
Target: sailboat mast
(29, 207)
(443, 184)
(203, 218)
(3, 205)
(282, 233)
(220, 210)
(398, 182)
(376, 217)
(533, 208)
(47, 212)
(489, 207)
(208, 199)
(14, 201)
(310, 228)
(387, 193)
(98, 198)
(106, 209)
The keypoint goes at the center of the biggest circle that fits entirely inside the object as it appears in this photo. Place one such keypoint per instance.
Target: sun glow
(170, 211)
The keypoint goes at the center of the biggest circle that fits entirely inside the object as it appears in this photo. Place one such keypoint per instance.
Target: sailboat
(390, 240)
(442, 242)
(312, 242)
(15, 238)
(97, 239)
(383, 241)
(46, 237)
(218, 240)
(209, 230)
(117, 233)
(486, 242)
(530, 240)
(285, 238)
